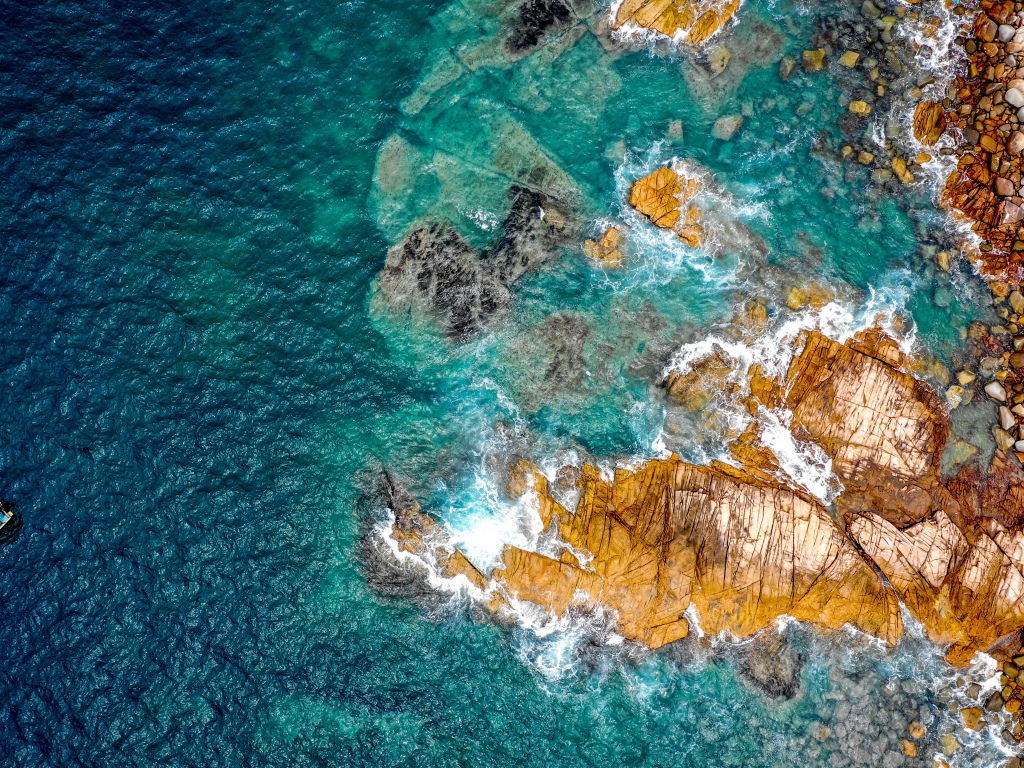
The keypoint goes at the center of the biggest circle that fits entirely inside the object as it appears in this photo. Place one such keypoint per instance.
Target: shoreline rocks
(743, 546)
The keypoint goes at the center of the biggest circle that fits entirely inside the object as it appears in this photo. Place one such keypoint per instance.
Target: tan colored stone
(861, 108)
(972, 717)
(814, 60)
(662, 197)
(670, 17)
(929, 122)
(607, 250)
(908, 748)
(917, 730)
(849, 59)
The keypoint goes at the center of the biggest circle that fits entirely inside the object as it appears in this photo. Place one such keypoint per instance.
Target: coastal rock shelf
(693, 20)
(743, 546)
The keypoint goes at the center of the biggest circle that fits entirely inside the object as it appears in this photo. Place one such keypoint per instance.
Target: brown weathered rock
(929, 122)
(662, 197)
(884, 429)
(660, 542)
(743, 547)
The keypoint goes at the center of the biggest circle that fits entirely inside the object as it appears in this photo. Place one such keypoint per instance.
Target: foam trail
(803, 463)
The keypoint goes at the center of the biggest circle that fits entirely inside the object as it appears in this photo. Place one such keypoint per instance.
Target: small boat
(10, 523)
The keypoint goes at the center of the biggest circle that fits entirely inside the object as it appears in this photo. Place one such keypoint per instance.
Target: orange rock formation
(743, 546)
(697, 20)
(662, 196)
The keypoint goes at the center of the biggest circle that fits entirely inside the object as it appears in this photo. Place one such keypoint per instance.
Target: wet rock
(870, 10)
(1016, 143)
(860, 108)
(436, 269)
(718, 60)
(1016, 300)
(996, 391)
(971, 717)
(669, 18)
(1006, 419)
(607, 250)
(985, 29)
(663, 197)
(929, 122)
(849, 59)
(814, 60)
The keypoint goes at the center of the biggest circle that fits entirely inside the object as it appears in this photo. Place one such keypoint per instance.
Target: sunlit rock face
(694, 20)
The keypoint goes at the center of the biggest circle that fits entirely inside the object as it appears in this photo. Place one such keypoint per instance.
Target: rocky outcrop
(608, 250)
(884, 429)
(436, 269)
(742, 546)
(663, 197)
(690, 18)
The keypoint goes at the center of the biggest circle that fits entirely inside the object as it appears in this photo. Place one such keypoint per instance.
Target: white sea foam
(803, 463)
(659, 254)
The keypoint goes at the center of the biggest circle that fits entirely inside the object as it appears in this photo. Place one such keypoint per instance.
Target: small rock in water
(870, 10)
(943, 259)
(881, 175)
(814, 61)
(865, 158)
(971, 717)
(787, 67)
(718, 60)
(955, 396)
(917, 730)
(849, 59)
(965, 378)
(1016, 299)
(996, 391)
(726, 127)
(861, 108)
(675, 129)
(1005, 441)
(909, 748)
(1006, 419)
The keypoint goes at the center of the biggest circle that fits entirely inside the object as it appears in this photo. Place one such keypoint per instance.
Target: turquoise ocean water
(201, 382)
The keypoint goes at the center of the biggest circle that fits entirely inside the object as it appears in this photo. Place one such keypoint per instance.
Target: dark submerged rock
(772, 663)
(536, 18)
(436, 268)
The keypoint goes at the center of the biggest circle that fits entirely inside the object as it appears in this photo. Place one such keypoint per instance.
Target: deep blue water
(194, 391)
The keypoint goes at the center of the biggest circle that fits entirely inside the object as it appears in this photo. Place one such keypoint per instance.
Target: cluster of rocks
(875, 67)
(999, 372)
(986, 111)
